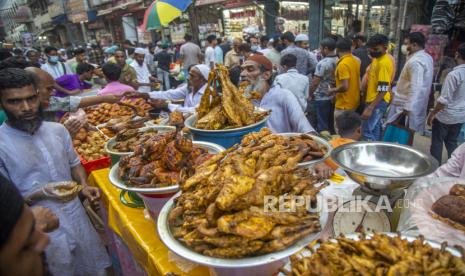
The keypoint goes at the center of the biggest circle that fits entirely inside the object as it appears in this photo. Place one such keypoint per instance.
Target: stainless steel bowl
(381, 165)
(317, 139)
(119, 183)
(180, 249)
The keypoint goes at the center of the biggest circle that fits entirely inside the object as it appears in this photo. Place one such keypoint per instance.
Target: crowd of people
(346, 86)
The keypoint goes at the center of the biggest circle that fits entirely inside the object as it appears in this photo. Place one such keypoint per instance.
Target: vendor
(34, 153)
(144, 78)
(191, 92)
(286, 113)
(455, 166)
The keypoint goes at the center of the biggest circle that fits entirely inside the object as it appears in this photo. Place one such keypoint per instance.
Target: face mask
(53, 59)
(254, 48)
(404, 50)
(376, 54)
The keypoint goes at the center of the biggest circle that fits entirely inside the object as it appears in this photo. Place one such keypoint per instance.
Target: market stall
(220, 194)
(239, 21)
(296, 15)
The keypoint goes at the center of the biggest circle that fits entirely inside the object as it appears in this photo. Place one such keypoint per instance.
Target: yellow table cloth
(139, 233)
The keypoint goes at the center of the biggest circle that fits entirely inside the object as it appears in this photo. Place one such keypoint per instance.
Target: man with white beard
(286, 113)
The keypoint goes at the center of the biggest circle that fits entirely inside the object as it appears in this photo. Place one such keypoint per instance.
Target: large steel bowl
(119, 183)
(381, 165)
(240, 264)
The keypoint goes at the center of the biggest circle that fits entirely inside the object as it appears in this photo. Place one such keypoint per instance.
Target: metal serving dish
(119, 183)
(356, 237)
(381, 165)
(180, 249)
(317, 139)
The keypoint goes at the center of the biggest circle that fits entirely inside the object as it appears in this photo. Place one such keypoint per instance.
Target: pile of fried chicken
(230, 110)
(221, 212)
(128, 139)
(161, 161)
(378, 255)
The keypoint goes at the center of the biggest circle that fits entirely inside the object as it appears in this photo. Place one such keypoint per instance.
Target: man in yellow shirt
(378, 94)
(347, 75)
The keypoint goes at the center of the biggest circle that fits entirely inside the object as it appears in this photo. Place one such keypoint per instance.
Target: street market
(211, 137)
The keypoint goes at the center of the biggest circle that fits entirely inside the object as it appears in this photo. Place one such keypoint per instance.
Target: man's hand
(73, 125)
(159, 103)
(431, 118)
(323, 171)
(113, 98)
(46, 220)
(93, 195)
(367, 113)
(133, 94)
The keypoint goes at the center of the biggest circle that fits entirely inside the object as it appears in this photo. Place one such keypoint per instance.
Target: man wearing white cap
(305, 64)
(191, 92)
(143, 74)
(301, 41)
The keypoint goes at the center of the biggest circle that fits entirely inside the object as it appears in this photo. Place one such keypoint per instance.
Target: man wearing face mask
(378, 96)
(286, 112)
(54, 66)
(448, 116)
(34, 153)
(414, 84)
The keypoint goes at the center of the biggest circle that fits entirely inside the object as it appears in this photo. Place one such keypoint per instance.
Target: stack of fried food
(102, 113)
(221, 211)
(450, 208)
(378, 255)
(230, 110)
(116, 125)
(139, 106)
(161, 161)
(127, 140)
(89, 144)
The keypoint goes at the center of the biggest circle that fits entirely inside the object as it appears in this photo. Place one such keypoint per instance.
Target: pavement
(423, 143)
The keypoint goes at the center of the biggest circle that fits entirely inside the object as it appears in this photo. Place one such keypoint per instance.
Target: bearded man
(286, 113)
(34, 153)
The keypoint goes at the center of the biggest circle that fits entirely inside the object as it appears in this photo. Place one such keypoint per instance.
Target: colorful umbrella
(162, 12)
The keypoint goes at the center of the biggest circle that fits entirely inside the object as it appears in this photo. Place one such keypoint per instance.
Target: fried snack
(378, 255)
(161, 161)
(64, 191)
(221, 213)
(231, 110)
(457, 190)
(89, 144)
(127, 140)
(102, 113)
(176, 118)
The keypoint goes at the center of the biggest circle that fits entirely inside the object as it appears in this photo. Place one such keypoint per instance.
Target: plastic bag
(416, 218)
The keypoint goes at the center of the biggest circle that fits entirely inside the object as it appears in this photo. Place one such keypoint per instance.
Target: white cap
(301, 37)
(204, 70)
(140, 51)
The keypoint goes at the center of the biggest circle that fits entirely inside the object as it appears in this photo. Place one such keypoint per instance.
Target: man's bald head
(44, 82)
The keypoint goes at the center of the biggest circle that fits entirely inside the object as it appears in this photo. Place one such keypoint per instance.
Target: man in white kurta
(142, 71)
(191, 92)
(34, 153)
(414, 85)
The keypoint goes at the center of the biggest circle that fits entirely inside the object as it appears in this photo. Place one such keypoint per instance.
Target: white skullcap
(140, 51)
(301, 37)
(204, 70)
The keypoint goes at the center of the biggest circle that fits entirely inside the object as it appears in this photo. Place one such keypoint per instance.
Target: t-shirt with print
(325, 71)
(380, 76)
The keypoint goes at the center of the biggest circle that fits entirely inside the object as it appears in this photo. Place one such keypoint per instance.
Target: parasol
(161, 12)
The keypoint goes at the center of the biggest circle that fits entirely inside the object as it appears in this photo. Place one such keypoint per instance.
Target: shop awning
(119, 7)
(208, 2)
(41, 32)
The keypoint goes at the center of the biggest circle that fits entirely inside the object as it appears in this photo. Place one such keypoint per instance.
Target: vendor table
(137, 232)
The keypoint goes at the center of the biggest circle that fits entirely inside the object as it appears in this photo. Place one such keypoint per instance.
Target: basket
(94, 165)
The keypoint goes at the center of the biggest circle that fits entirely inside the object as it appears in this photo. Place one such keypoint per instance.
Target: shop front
(295, 14)
(242, 18)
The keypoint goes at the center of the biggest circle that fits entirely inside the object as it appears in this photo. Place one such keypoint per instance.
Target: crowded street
(225, 138)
